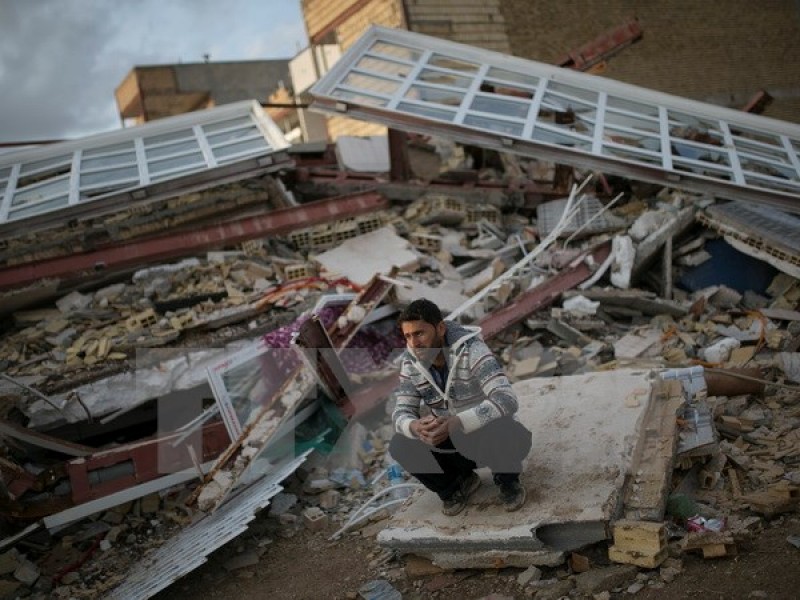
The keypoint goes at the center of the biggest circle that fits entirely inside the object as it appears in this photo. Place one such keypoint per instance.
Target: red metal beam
(602, 47)
(188, 243)
(542, 295)
(756, 105)
(95, 476)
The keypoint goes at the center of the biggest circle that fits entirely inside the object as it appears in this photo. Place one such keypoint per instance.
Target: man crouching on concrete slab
(448, 368)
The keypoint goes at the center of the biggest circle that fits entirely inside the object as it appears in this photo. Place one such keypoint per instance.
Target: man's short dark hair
(421, 310)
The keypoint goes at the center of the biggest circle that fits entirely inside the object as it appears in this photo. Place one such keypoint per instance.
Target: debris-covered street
(199, 338)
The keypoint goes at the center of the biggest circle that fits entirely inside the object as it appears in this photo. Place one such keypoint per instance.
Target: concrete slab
(362, 257)
(584, 439)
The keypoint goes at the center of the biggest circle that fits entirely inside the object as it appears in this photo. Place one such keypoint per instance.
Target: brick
(314, 519)
(648, 560)
(642, 536)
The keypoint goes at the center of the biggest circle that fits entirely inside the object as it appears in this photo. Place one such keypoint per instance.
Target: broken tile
(636, 343)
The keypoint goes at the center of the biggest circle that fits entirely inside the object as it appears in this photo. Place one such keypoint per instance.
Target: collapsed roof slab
(419, 83)
(586, 431)
(41, 187)
(760, 231)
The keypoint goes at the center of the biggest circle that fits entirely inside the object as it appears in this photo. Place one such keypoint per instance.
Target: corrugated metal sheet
(190, 548)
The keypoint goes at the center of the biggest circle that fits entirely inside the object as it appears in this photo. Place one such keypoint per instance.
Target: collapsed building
(183, 298)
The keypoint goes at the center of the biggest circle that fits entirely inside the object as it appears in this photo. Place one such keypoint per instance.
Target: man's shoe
(512, 495)
(457, 502)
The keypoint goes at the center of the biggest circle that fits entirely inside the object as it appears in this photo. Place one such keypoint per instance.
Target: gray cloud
(60, 61)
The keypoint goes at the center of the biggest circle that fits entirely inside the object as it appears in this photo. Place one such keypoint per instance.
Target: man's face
(423, 339)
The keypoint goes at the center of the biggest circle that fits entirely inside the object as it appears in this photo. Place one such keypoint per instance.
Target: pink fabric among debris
(367, 351)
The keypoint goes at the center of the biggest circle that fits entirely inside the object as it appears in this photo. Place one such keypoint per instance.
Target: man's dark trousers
(501, 445)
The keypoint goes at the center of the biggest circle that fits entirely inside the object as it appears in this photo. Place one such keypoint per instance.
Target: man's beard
(427, 355)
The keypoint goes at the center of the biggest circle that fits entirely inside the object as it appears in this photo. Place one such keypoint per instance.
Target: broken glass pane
(443, 78)
(165, 150)
(499, 106)
(241, 148)
(109, 176)
(435, 95)
(359, 98)
(396, 51)
(505, 76)
(16, 213)
(184, 161)
(454, 64)
(426, 111)
(41, 191)
(113, 160)
(370, 83)
(497, 125)
(383, 66)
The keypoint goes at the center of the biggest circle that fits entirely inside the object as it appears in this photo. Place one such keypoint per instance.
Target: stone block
(608, 578)
(642, 536)
(27, 573)
(557, 590)
(646, 559)
(329, 499)
(150, 503)
(314, 519)
(9, 561)
(8, 589)
(417, 567)
(530, 574)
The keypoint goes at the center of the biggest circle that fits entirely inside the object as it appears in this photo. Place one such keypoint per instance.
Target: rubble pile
(562, 283)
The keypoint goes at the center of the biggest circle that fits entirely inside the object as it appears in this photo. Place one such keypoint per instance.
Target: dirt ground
(308, 566)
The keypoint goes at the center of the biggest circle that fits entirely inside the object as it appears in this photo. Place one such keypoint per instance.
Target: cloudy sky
(60, 60)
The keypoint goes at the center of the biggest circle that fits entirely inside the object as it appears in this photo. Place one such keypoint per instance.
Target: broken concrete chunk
(648, 223)
(636, 343)
(109, 293)
(241, 561)
(532, 573)
(26, 573)
(281, 503)
(329, 499)
(581, 306)
(9, 561)
(360, 258)
(624, 255)
(789, 362)
(556, 590)
(72, 302)
(150, 504)
(720, 351)
(314, 519)
(608, 578)
(209, 495)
